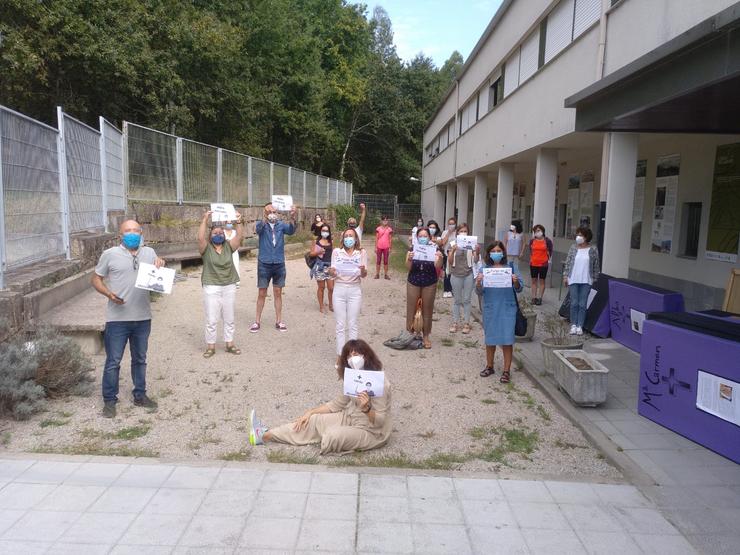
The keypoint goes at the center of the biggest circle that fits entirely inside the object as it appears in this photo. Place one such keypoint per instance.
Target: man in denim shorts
(271, 262)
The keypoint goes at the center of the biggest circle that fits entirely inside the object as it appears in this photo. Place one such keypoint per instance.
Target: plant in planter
(557, 336)
(583, 378)
(525, 305)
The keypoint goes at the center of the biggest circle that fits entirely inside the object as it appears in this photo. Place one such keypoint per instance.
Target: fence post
(63, 187)
(219, 175)
(249, 180)
(351, 200)
(272, 179)
(305, 202)
(103, 172)
(124, 163)
(327, 192)
(3, 256)
(290, 172)
(179, 170)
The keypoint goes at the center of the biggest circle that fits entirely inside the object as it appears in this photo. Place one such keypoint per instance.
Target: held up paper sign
(357, 381)
(497, 277)
(282, 203)
(425, 252)
(155, 279)
(467, 242)
(222, 212)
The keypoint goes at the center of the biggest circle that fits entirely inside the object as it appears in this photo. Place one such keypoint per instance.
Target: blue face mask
(218, 239)
(131, 240)
(423, 240)
(349, 242)
(497, 256)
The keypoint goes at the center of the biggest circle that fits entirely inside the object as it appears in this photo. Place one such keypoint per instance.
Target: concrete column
(439, 203)
(546, 183)
(449, 203)
(463, 193)
(620, 197)
(479, 206)
(504, 199)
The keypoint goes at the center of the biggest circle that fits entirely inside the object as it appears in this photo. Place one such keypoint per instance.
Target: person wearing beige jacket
(343, 425)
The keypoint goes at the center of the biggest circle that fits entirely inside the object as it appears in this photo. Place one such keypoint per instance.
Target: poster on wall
(587, 199)
(666, 197)
(639, 205)
(571, 221)
(724, 213)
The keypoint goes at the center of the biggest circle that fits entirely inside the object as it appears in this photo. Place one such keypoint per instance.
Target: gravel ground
(444, 415)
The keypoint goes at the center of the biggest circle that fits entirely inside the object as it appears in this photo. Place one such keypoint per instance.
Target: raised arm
(236, 240)
(202, 232)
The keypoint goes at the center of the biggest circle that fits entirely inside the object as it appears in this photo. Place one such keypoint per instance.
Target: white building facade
(621, 115)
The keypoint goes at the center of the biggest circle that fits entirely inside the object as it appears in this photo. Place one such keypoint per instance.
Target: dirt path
(445, 415)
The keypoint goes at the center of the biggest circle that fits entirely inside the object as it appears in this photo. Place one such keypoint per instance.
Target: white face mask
(356, 362)
(462, 233)
(325, 234)
(580, 239)
(451, 227)
(512, 228)
(538, 234)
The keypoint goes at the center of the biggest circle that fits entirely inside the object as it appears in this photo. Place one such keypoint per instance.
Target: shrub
(20, 396)
(61, 366)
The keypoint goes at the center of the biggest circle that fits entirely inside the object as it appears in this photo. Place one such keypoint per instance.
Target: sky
(437, 27)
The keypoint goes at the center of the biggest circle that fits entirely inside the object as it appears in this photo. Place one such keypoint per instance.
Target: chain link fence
(112, 153)
(151, 162)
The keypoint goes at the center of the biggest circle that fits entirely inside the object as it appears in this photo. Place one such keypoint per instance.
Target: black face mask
(352, 226)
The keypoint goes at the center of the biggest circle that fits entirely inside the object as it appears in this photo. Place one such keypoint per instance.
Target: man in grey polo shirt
(128, 317)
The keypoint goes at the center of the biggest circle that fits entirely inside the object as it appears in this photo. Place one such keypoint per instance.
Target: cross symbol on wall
(673, 381)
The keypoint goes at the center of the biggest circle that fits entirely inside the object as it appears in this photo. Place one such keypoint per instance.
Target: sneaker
(256, 429)
(574, 330)
(109, 409)
(145, 402)
(579, 330)
(254, 328)
(446, 295)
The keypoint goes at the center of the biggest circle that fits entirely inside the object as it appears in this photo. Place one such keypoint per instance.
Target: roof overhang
(690, 84)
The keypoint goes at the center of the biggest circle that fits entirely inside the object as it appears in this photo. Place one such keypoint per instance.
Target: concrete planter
(551, 344)
(531, 317)
(584, 379)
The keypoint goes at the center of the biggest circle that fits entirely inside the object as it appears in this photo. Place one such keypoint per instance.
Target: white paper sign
(155, 279)
(497, 277)
(222, 212)
(717, 396)
(347, 265)
(591, 297)
(282, 203)
(467, 242)
(357, 381)
(425, 252)
(636, 320)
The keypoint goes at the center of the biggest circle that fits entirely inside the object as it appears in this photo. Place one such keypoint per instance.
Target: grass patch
(513, 440)
(98, 449)
(427, 435)
(479, 432)
(130, 433)
(447, 342)
(53, 423)
(568, 445)
(462, 396)
(236, 456)
(5, 439)
(470, 344)
(289, 457)
(489, 401)
(437, 461)
(543, 413)
(165, 393)
(397, 259)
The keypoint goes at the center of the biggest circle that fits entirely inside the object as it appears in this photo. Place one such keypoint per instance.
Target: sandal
(466, 328)
(453, 328)
(280, 326)
(254, 328)
(387, 276)
(487, 371)
(234, 350)
(427, 343)
(505, 377)
(209, 353)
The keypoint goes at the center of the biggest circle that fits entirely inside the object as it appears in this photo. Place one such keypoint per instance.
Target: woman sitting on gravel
(219, 279)
(343, 425)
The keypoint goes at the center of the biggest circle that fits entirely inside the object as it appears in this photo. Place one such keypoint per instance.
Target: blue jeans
(116, 335)
(578, 299)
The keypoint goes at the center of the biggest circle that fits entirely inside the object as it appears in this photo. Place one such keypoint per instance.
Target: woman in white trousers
(348, 267)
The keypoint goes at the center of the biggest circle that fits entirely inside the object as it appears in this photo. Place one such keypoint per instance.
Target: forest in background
(316, 84)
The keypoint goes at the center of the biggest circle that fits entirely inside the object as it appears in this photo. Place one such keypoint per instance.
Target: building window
(690, 227)
(496, 93)
(561, 219)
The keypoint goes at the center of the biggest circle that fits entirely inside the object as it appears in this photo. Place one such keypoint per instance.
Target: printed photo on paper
(155, 279)
(718, 396)
(637, 318)
(357, 381)
(222, 212)
(282, 203)
(467, 242)
(497, 277)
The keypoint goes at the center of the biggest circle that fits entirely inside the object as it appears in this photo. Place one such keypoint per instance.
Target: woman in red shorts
(383, 241)
(540, 253)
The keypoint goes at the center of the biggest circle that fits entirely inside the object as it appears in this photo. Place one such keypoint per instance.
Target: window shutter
(559, 29)
(511, 81)
(588, 12)
(529, 56)
(483, 100)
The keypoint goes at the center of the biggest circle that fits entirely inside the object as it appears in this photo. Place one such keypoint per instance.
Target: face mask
(349, 242)
(325, 234)
(538, 234)
(272, 218)
(451, 227)
(218, 239)
(356, 362)
(497, 256)
(462, 233)
(351, 226)
(423, 240)
(131, 240)
(580, 239)
(432, 230)
(419, 224)
(512, 228)
(229, 226)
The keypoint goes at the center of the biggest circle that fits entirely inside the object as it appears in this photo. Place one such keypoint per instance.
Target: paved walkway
(696, 489)
(81, 505)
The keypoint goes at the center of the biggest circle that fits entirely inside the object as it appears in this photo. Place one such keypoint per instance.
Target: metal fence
(54, 182)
